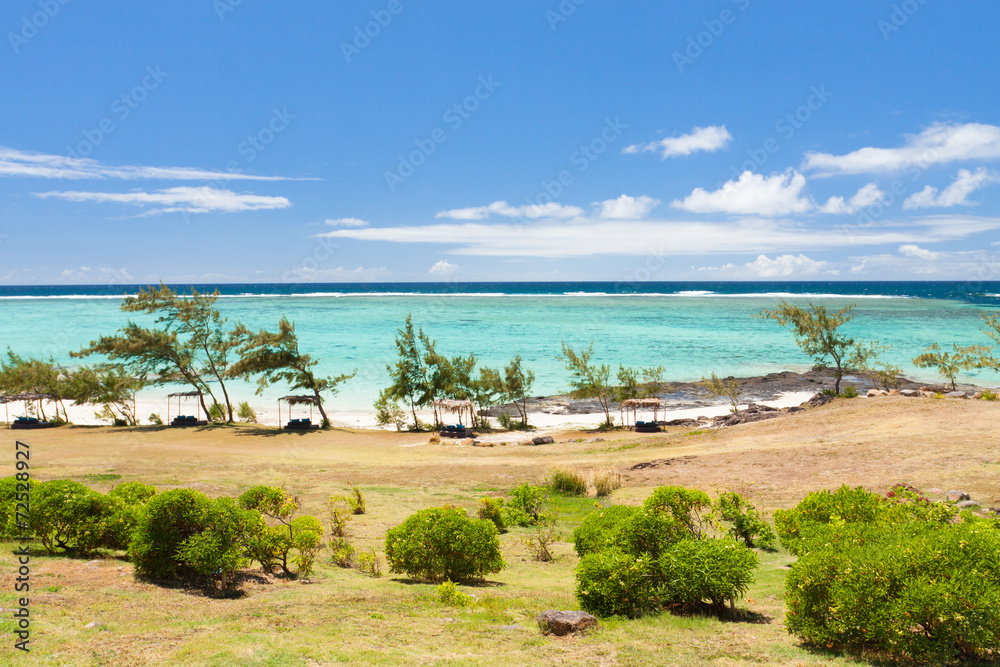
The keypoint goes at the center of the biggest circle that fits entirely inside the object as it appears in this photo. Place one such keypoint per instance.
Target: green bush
(13, 491)
(272, 548)
(217, 551)
(850, 391)
(706, 571)
(443, 543)
(602, 529)
(155, 419)
(492, 509)
(614, 583)
(126, 502)
(342, 553)
(368, 563)
(307, 532)
(683, 507)
(167, 522)
(747, 524)
(449, 594)
(525, 505)
(246, 413)
(920, 590)
(567, 482)
(68, 515)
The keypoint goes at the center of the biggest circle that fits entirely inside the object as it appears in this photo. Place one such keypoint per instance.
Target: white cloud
(752, 194)
(866, 196)
(339, 274)
(782, 266)
(346, 222)
(940, 143)
(625, 207)
(443, 268)
(956, 194)
(911, 250)
(591, 237)
(531, 211)
(711, 138)
(39, 165)
(203, 199)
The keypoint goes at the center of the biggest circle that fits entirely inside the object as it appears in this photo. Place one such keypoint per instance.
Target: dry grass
(346, 617)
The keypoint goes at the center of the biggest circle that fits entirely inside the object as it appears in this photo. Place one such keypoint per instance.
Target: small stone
(955, 394)
(957, 496)
(435, 440)
(552, 622)
(543, 440)
(93, 625)
(909, 393)
(967, 503)
(978, 395)
(873, 393)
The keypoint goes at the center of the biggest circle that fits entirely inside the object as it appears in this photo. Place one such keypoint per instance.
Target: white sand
(268, 414)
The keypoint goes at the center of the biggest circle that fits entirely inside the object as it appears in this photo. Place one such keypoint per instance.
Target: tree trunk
(319, 404)
(215, 372)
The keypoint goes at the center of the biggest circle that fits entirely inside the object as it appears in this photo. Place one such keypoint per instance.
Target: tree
(489, 390)
(387, 411)
(408, 375)
(108, 386)
(990, 327)
(517, 382)
(866, 359)
(199, 325)
(588, 380)
(275, 357)
(949, 364)
(816, 333)
(19, 375)
(728, 388)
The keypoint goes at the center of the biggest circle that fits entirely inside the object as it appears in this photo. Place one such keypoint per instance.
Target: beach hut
(298, 424)
(186, 420)
(459, 408)
(635, 404)
(27, 422)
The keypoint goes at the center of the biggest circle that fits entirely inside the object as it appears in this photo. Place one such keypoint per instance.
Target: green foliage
(275, 357)
(747, 524)
(408, 375)
(443, 543)
(816, 332)
(517, 382)
(168, 521)
(850, 391)
(682, 507)
(588, 380)
(307, 541)
(707, 570)
(727, 388)
(988, 395)
(155, 420)
(525, 505)
(13, 491)
(216, 551)
(369, 563)
(356, 501)
(67, 515)
(567, 482)
(125, 504)
(246, 413)
(337, 516)
(273, 548)
(606, 482)
(540, 541)
(19, 375)
(108, 386)
(602, 529)
(614, 583)
(927, 592)
(492, 509)
(387, 411)
(342, 553)
(866, 359)
(950, 364)
(216, 413)
(448, 593)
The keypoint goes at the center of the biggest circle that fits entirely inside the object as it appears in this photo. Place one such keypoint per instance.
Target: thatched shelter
(457, 407)
(311, 401)
(27, 398)
(634, 404)
(184, 394)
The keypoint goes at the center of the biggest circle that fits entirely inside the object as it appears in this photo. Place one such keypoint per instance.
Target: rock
(957, 496)
(744, 417)
(682, 422)
(909, 393)
(967, 503)
(925, 393)
(435, 440)
(795, 408)
(978, 395)
(561, 623)
(872, 393)
(894, 392)
(955, 394)
(543, 440)
(94, 625)
(818, 400)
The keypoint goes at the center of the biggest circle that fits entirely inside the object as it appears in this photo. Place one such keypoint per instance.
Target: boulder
(978, 395)
(955, 394)
(910, 393)
(957, 496)
(561, 623)
(795, 408)
(872, 393)
(543, 440)
(967, 503)
(894, 392)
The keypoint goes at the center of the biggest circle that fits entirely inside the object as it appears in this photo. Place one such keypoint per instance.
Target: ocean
(691, 329)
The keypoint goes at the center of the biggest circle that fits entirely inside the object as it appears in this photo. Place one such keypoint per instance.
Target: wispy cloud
(711, 138)
(866, 196)
(782, 266)
(956, 194)
(940, 143)
(752, 194)
(203, 199)
(502, 208)
(346, 222)
(911, 250)
(625, 207)
(39, 165)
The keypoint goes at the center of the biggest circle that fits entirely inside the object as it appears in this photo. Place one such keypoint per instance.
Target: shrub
(272, 548)
(388, 411)
(342, 554)
(356, 501)
(567, 482)
(442, 543)
(492, 509)
(747, 524)
(708, 570)
(337, 516)
(216, 413)
(607, 482)
(126, 502)
(614, 583)
(155, 419)
(68, 515)
(307, 533)
(988, 395)
(369, 563)
(918, 590)
(246, 413)
(216, 552)
(681, 506)
(525, 505)
(13, 491)
(850, 391)
(449, 594)
(538, 543)
(167, 522)
(602, 529)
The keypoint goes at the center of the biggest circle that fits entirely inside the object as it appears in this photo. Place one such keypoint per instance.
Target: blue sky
(235, 141)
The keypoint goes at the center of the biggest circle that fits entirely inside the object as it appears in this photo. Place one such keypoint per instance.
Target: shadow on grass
(484, 583)
(204, 588)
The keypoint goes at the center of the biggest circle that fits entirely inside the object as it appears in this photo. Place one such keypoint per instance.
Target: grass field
(343, 616)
